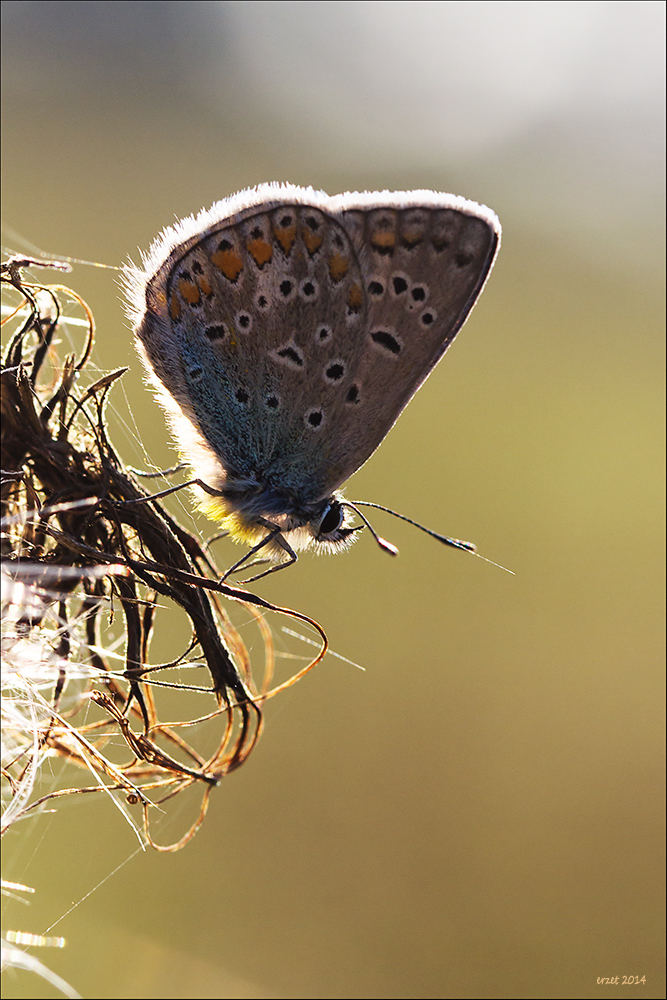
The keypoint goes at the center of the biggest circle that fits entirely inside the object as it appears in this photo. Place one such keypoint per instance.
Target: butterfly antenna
(455, 543)
(382, 542)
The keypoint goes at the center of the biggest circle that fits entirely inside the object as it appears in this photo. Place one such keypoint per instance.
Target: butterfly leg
(274, 534)
(255, 562)
(172, 489)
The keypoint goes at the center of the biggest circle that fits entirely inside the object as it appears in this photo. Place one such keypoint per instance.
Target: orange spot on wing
(286, 237)
(174, 306)
(229, 262)
(412, 238)
(204, 286)
(338, 266)
(261, 251)
(189, 291)
(312, 240)
(355, 298)
(383, 241)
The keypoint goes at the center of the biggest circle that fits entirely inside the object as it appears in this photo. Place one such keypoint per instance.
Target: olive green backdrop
(479, 813)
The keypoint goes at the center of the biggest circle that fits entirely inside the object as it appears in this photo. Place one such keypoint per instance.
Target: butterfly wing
(290, 329)
(424, 259)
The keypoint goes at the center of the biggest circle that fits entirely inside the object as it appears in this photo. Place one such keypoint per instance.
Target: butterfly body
(285, 331)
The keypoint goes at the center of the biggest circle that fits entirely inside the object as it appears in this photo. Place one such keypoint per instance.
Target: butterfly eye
(332, 520)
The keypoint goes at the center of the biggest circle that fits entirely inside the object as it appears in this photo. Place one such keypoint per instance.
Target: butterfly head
(249, 515)
(332, 532)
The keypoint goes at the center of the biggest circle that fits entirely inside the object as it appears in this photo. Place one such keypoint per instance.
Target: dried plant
(83, 544)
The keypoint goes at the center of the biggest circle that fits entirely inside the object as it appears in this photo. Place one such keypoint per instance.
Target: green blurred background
(480, 813)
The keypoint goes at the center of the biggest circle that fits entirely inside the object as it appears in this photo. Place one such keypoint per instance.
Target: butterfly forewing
(423, 268)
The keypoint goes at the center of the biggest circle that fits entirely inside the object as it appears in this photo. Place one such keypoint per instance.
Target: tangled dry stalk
(81, 543)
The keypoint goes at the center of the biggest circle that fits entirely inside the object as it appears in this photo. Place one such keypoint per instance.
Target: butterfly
(285, 330)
